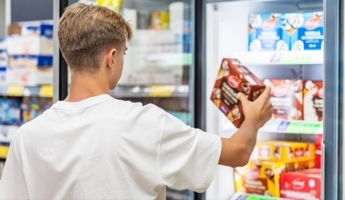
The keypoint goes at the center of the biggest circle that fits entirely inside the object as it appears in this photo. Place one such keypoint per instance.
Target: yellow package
(262, 177)
(283, 151)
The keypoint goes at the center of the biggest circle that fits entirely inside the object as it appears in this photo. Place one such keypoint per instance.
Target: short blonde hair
(86, 31)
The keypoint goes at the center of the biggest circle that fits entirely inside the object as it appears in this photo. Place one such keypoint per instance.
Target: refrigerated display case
(158, 66)
(222, 29)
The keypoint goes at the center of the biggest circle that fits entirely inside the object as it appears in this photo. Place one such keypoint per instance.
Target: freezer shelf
(286, 126)
(281, 58)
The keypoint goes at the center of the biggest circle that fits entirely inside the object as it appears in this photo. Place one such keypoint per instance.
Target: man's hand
(236, 150)
(257, 112)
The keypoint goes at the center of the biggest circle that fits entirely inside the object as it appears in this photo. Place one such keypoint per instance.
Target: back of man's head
(86, 31)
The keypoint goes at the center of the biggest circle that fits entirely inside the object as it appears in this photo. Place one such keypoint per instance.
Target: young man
(92, 146)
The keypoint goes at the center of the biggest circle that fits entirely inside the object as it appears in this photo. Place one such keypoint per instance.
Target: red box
(313, 100)
(305, 184)
(286, 98)
(234, 78)
(318, 140)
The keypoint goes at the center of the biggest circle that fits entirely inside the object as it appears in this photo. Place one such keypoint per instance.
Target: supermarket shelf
(19, 91)
(286, 126)
(3, 151)
(280, 58)
(122, 91)
(242, 196)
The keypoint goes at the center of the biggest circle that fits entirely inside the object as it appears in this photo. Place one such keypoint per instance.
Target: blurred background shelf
(138, 91)
(20, 91)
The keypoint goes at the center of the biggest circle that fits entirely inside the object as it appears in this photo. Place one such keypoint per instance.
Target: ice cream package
(234, 78)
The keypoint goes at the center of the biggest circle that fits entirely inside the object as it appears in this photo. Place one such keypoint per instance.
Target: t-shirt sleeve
(188, 157)
(12, 182)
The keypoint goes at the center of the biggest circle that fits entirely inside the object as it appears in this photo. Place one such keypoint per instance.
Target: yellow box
(262, 177)
(283, 151)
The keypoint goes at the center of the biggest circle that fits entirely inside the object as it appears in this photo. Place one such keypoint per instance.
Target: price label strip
(3, 151)
(296, 58)
(46, 91)
(15, 90)
(161, 91)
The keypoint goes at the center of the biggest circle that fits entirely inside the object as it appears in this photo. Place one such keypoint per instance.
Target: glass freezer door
(286, 44)
(158, 66)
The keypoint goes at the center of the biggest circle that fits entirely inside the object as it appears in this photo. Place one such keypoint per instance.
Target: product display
(32, 107)
(284, 151)
(286, 98)
(233, 78)
(313, 100)
(262, 177)
(301, 185)
(3, 61)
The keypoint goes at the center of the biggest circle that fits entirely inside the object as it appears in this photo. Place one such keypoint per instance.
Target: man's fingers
(265, 94)
(242, 98)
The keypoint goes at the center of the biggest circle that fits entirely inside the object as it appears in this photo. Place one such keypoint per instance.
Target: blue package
(266, 33)
(305, 29)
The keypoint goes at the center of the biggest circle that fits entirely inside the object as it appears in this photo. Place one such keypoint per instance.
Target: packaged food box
(313, 100)
(301, 185)
(233, 78)
(318, 149)
(262, 177)
(286, 98)
(285, 151)
(305, 30)
(266, 33)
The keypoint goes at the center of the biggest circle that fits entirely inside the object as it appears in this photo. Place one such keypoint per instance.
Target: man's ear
(110, 58)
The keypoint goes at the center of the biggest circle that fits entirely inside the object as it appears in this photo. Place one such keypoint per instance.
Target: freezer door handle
(323, 160)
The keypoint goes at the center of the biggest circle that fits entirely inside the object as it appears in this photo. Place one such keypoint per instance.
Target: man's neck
(86, 86)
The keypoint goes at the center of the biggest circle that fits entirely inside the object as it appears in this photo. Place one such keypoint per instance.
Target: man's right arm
(237, 149)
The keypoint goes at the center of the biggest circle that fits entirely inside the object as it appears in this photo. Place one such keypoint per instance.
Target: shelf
(280, 58)
(286, 126)
(3, 151)
(242, 196)
(19, 91)
(150, 91)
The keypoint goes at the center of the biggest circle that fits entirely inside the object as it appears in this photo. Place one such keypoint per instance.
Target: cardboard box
(33, 40)
(301, 185)
(313, 100)
(262, 177)
(266, 33)
(233, 78)
(286, 98)
(318, 149)
(284, 151)
(306, 29)
(30, 70)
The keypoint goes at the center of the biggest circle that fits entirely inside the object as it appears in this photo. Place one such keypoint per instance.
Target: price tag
(161, 91)
(304, 127)
(46, 91)
(15, 90)
(296, 58)
(3, 151)
(254, 197)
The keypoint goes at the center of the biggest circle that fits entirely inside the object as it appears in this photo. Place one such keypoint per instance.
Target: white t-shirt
(103, 148)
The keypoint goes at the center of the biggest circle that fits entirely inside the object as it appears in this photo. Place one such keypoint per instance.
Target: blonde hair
(86, 31)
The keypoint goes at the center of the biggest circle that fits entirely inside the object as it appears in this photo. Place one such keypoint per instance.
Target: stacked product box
(301, 185)
(3, 61)
(313, 100)
(262, 174)
(285, 31)
(286, 98)
(318, 141)
(30, 50)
